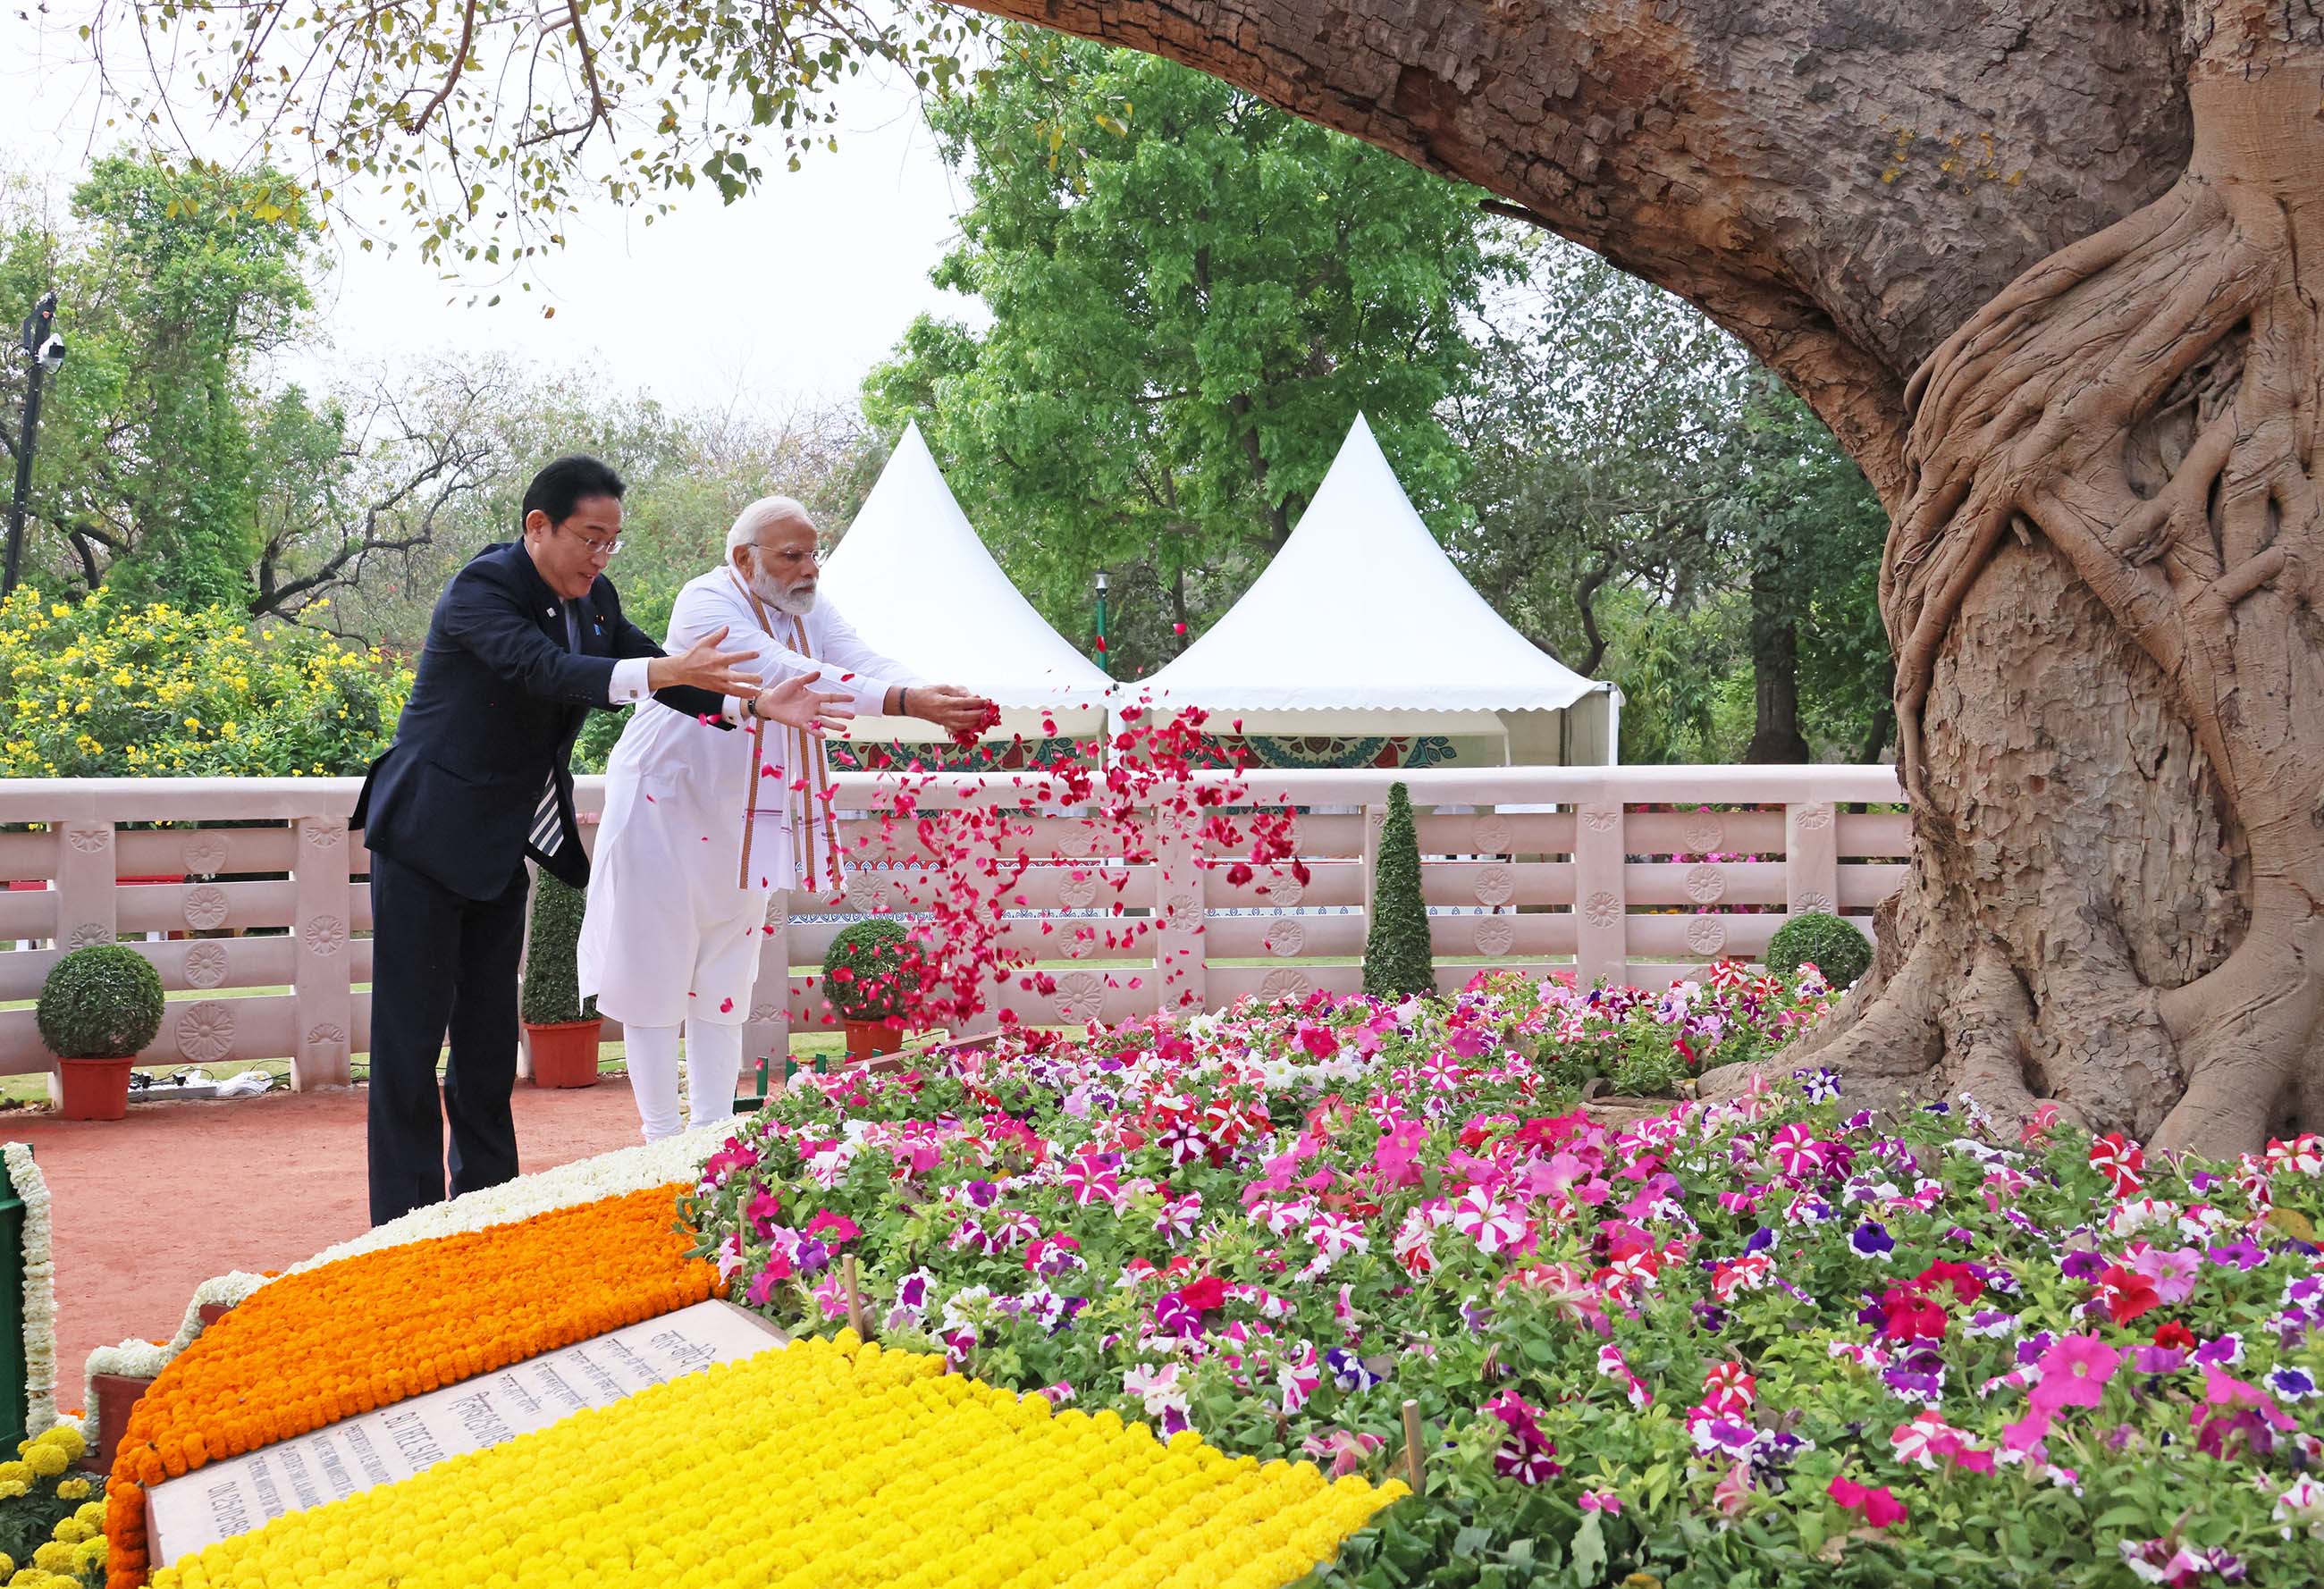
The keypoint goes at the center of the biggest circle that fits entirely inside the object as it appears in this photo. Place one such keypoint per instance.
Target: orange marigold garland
(368, 1331)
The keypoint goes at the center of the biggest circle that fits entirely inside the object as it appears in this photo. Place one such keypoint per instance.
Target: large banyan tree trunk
(2052, 272)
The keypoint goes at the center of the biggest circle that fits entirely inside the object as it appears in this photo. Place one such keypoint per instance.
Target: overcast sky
(792, 293)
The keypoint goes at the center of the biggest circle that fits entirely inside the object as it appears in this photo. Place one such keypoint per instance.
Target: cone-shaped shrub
(1397, 960)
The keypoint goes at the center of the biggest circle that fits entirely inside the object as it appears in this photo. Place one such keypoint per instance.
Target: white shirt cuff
(629, 682)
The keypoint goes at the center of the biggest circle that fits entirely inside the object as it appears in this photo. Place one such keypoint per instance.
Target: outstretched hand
(796, 701)
(705, 667)
(951, 708)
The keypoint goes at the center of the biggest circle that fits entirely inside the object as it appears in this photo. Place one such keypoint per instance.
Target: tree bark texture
(2051, 270)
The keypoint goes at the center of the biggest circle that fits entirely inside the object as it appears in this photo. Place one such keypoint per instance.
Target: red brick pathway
(148, 1208)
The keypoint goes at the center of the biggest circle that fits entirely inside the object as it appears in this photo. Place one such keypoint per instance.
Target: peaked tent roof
(915, 581)
(1362, 610)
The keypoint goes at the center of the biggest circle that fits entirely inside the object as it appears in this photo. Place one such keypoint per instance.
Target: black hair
(560, 487)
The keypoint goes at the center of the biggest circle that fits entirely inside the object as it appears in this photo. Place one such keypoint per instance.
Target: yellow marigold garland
(370, 1330)
(825, 1464)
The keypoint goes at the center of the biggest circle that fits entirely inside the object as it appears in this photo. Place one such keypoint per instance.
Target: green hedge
(1836, 949)
(100, 1003)
(552, 983)
(876, 954)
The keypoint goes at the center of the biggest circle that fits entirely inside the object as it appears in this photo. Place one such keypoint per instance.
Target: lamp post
(45, 351)
(1104, 662)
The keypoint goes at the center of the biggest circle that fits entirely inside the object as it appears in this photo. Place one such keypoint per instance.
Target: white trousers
(714, 1065)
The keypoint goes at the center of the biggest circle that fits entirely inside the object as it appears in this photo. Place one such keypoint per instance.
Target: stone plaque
(245, 1492)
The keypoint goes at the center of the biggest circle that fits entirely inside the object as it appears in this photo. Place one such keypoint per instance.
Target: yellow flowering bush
(826, 1463)
(51, 1543)
(72, 1555)
(102, 688)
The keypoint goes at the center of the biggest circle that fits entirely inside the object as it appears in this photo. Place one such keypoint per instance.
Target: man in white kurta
(702, 831)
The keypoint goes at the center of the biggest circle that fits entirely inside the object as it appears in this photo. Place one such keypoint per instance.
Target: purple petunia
(1871, 1240)
(2223, 1352)
(2081, 1263)
(2292, 1385)
(2242, 1253)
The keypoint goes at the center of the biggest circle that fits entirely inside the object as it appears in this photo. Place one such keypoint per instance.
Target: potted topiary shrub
(560, 1031)
(868, 982)
(1825, 941)
(98, 1009)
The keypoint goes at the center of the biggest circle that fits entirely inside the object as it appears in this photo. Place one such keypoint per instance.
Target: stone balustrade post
(1601, 905)
(1810, 857)
(1181, 958)
(87, 878)
(962, 884)
(322, 982)
(767, 1034)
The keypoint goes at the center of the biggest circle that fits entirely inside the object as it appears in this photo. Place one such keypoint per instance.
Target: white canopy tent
(1361, 626)
(914, 579)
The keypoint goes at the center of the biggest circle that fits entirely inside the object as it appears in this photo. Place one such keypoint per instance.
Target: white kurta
(673, 927)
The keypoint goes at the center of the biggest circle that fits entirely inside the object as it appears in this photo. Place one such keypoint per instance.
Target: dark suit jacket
(492, 716)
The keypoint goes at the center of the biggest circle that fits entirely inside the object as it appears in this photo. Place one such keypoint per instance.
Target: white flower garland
(40, 1289)
(585, 1180)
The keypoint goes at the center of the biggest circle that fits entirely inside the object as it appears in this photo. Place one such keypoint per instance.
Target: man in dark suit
(524, 641)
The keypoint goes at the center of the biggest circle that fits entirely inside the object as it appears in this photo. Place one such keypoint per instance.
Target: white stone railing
(253, 887)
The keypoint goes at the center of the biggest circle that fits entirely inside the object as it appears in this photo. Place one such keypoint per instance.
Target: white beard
(797, 603)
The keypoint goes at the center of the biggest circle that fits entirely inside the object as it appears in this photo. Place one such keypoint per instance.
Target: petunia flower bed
(1750, 1343)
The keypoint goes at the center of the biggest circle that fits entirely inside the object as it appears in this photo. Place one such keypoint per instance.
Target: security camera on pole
(45, 352)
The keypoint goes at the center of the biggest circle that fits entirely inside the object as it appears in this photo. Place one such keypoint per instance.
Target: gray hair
(759, 514)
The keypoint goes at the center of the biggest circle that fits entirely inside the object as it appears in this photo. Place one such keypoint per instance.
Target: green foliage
(1834, 947)
(867, 971)
(161, 474)
(1192, 296)
(174, 285)
(1398, 962)
(1595, 423)
(551, 994)
(1636, 478)
(1803, 521)
(103, 1001)
(104, 688)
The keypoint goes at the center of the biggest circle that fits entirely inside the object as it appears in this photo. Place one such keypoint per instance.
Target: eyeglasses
(597, 548)
(812, 554)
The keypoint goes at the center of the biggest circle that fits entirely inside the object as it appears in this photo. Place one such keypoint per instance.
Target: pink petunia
(1879, 1506)
(2074, 1372)
(832, 1227)
(2173, 1273)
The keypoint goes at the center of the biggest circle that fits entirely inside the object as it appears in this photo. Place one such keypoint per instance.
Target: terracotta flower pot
(565, 1054)
(868, 1040)
(95, 1090)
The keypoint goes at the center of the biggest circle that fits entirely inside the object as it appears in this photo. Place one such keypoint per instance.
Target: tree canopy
(1191, 296)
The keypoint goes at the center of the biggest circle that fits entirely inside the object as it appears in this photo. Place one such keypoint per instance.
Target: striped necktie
(548, 835)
